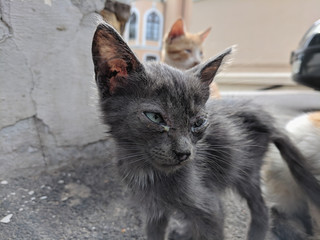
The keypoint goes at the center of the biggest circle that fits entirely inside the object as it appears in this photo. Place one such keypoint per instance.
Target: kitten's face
(166, 117)
(181, 49)
(156, 113)
(184, 52)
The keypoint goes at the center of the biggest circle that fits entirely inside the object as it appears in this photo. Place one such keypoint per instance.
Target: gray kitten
(177, 151)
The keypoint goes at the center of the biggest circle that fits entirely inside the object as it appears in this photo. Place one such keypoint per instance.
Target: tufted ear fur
(205, 34)
(113, 60)
(208, 70)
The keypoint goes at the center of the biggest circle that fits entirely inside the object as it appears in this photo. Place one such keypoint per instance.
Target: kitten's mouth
(168, 164)
(171, 166)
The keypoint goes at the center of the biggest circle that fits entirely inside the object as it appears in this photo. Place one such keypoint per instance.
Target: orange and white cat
(283, 193)
(184, 50)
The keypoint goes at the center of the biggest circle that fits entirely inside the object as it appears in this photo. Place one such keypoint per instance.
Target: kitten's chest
(163, 190)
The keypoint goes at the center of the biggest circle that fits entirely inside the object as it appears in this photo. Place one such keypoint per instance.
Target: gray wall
(48, 112)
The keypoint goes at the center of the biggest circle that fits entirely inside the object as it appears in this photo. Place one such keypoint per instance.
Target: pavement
(86, 200)
(83, 201)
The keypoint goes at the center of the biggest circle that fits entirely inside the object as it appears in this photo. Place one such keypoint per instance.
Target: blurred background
(265, 32)
(47, 97)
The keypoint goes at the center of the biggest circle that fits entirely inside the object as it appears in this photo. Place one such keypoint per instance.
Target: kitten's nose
(182, 156)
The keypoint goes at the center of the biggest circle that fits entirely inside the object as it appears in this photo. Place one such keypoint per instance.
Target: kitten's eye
(188, 50)
(155, 117)
(199, 124)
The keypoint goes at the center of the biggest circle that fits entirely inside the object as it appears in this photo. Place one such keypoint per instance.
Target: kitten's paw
(179, 229)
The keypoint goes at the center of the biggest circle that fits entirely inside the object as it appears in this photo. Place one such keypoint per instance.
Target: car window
(313, 30)
(315, 40)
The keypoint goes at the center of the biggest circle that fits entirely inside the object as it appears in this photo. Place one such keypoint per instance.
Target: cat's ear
(113, 60)
(208, 70)
(204, 34)
(177, 30)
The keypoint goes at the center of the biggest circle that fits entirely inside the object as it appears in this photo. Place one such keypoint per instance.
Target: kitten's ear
(177, 30)
(113, 60)
(204, 34)
(207, 71)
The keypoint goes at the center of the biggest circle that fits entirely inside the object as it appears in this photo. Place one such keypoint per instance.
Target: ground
(83, 201)
(76, 202)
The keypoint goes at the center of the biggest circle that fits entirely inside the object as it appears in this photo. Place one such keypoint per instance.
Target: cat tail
(298, 166)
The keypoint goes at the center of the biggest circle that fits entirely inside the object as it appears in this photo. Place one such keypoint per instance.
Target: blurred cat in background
(181, 49)
(184, 50)
(294, 216)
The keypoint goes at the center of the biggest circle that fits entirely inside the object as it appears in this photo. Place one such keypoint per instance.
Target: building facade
(144, 30)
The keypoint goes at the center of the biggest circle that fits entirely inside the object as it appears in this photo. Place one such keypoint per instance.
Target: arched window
(153, 27)
(133, 26)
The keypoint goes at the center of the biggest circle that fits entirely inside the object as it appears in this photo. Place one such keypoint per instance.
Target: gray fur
(226, 151)
(294, 227)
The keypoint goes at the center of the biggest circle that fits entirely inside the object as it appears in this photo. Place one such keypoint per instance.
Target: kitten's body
(178, 152)
(291, 203)
(184, 50)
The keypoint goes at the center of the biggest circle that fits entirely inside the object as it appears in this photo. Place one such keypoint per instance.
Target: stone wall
(48, 110)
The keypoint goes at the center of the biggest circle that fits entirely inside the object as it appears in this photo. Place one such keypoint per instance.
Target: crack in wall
(15, 123)
(47, 140)
(39, 139)
(34, 103)
(41, 142)
(5, 19)
(25, 153)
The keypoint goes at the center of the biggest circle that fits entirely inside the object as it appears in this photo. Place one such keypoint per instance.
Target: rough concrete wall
(47, 112)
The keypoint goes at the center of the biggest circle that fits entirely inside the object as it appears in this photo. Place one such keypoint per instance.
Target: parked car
(305, 61)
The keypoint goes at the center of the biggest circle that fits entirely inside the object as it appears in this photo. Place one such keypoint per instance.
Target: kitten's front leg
(207, 219)
(209, 226)
(156, 228)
